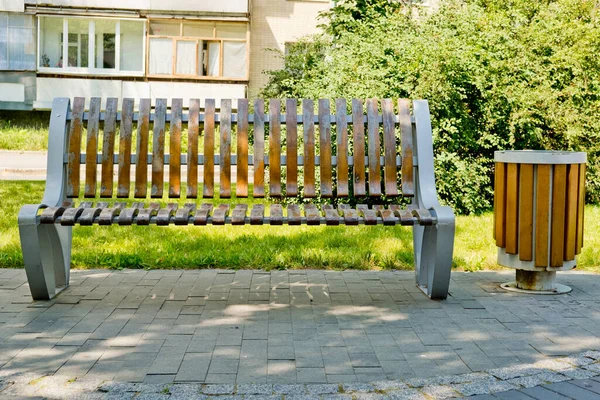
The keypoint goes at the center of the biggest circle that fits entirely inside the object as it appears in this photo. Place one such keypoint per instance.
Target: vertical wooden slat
(499, 204)
(406, 139)
(274, 148)
(175, 149)
(571, 214)
(542, 214)
(108, 147)
(208, 189)
(158, 149)
(241, 187)
(512, 208)
(192, 165)
(125, 134)
(308, 115)
(389, 146)
(92, 147)
(141, 165)
(75, 147)
(559, 197)
(225, 149)
(526, 212)
(374, 148)
(341, 126)
(325, 147)
(259, 148)
(580, 207)
(291, 121)
(358, 130)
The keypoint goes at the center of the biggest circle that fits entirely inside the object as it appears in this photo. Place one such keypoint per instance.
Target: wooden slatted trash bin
(539, 199)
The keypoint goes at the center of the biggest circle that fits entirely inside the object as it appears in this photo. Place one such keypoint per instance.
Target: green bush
(498, 75)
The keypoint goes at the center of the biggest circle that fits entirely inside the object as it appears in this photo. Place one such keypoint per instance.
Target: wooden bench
(363, 161)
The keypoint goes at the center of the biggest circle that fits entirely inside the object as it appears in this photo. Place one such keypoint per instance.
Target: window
(201, 49)
(17, 42)
(91, 46)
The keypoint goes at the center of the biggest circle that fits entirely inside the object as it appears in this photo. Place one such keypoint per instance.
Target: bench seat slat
(182, 216)
(332, 216)
(238, 215)
(70, 216)
(276, 214)
(50, 214)
(145, 214)
(313, 215)
(294, 215)
(257, 214)
(89, 215)
(220, 214)
(127, 214)
(164, 215)
(108, 214)
(202, 214)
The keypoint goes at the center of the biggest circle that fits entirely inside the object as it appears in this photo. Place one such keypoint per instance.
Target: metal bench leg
(46, 254)
(433, 246)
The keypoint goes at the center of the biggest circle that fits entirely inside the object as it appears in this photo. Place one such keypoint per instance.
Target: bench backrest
(358, 153)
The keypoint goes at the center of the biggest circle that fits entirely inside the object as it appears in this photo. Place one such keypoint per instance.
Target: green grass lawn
(24, 130)
(261, 246)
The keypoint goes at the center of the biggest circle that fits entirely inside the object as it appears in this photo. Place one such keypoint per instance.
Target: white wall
(12, 92)
(49, 88)
(227, 6)
(12, 5)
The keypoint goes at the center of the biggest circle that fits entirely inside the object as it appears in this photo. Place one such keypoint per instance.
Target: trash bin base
(536, 282)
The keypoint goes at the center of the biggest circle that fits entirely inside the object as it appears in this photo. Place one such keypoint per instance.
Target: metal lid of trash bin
(540, 157)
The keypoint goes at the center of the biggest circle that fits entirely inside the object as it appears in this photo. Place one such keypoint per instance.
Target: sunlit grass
(24, 130)
(263, 247)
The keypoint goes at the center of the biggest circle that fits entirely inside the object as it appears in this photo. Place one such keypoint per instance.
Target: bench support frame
(47, 247)
(433, 245)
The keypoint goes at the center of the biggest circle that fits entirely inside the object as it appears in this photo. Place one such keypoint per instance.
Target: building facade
(143, 48)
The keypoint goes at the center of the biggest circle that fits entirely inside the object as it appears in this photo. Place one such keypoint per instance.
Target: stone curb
(578, 366)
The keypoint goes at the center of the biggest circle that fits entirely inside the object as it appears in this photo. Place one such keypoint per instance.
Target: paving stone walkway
(154, 334)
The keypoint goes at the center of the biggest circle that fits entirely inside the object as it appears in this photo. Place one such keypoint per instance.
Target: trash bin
(539, 199)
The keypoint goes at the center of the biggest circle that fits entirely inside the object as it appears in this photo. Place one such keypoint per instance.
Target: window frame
(8, 41)
(197, 39)
(66, 70)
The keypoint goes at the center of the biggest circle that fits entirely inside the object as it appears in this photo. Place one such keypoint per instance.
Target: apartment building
(143, 48)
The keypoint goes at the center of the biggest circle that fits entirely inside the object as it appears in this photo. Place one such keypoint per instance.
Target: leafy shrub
(498, 75)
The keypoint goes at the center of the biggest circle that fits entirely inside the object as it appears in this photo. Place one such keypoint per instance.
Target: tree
(497, 74)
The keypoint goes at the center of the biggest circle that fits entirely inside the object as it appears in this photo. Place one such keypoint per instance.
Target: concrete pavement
(309, 334)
